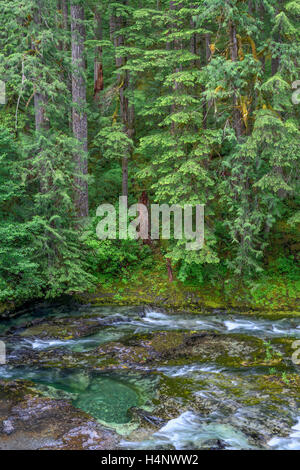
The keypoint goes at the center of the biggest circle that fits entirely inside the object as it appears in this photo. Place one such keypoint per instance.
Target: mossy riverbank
(270, 297)
(278, 298)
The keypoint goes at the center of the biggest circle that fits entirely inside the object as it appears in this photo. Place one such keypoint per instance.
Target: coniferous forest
(135, 341)
(163, 102)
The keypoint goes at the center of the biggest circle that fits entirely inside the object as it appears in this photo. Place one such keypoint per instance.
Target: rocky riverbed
(88, 377)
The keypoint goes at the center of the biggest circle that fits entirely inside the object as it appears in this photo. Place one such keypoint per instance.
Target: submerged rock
(172, 347)
(156, 349)
(32, 421)
(65, 328)
(148, 377)
(251, 410)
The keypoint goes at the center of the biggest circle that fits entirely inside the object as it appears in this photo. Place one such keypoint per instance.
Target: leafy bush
(111, 257)
(287, 266)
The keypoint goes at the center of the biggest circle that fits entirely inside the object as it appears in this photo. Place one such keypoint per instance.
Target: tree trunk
(177, 45)
(126, 111)
(40, 102)
(63, 9)
(170, 271)
(63, 6)
(80, 130)
(144, 199)
(207, 56)
(98, 65)
(234, 52)
(40, 99)
(65, 13)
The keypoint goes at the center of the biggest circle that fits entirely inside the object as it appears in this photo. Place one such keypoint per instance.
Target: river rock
(32, 421)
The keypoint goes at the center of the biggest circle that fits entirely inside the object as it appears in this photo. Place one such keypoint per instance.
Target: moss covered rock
(32, 421)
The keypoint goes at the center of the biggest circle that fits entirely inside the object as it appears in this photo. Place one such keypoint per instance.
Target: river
(157, 380)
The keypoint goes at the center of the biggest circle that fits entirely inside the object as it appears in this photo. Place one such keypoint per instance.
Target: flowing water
(186, 404)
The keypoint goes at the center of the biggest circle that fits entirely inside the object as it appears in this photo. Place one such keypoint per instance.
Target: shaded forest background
(162, 101)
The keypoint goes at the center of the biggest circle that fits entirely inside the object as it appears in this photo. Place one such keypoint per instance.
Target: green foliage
(18, 270)
(192, 272)
(113, 258)
(41, 254)
(207, 88)
(286, 266)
